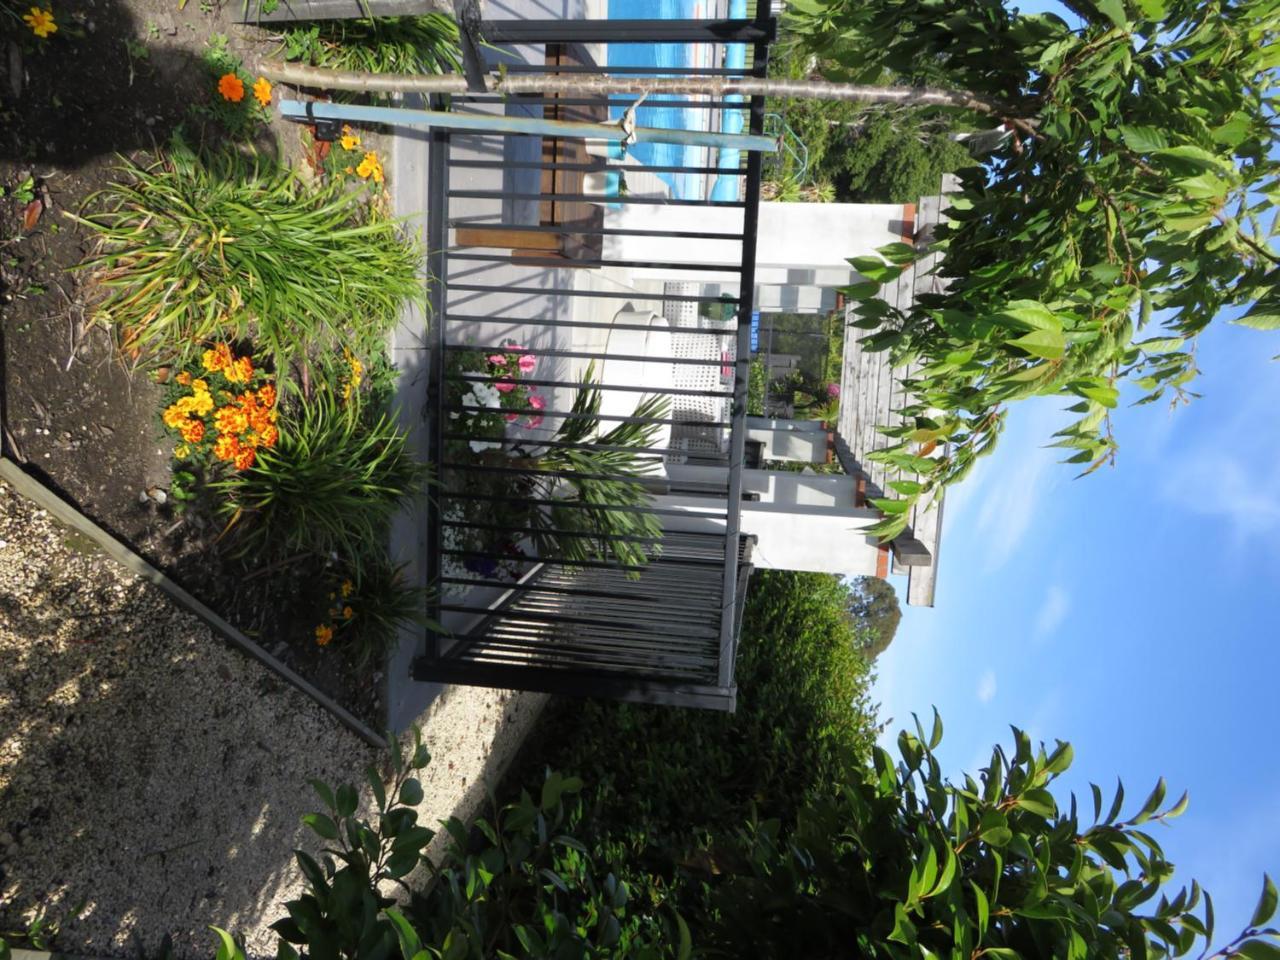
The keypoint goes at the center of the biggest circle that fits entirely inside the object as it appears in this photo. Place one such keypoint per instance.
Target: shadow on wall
(158, 776)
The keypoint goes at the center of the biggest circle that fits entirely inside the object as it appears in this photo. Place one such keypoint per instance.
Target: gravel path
(156, 774)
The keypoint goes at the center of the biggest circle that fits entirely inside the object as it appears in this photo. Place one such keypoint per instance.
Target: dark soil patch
(117, 79)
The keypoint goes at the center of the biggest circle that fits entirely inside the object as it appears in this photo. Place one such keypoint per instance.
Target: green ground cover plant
(230, 245)
(423, 44)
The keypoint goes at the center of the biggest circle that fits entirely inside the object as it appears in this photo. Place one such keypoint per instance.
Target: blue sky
(1134, 613)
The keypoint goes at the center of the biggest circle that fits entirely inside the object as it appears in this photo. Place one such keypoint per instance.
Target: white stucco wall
(798, 244)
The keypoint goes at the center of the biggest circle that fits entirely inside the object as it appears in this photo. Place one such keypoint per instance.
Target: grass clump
(425, 44)
(230, 245)
(329, 486)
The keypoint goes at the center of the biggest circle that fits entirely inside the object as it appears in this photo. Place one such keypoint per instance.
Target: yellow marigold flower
(184, 379)
(370, 167)
(324, 633)
(350, 140)
(40, 22)
(202, 404)
(347, 587)
(181, 451)
(173, 416)
(186, 405)
(231, 87)
(348, 613)
(262, 91)
(199, 386)
(269, 436)
(267, 396)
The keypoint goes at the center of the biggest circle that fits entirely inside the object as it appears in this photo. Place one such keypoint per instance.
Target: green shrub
(329, 486)
(232, 246)
(425, 44)
(802, 710)
(517, 884)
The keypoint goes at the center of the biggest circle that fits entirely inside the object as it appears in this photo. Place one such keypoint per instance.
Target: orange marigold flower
(262, 91)
(193, 431)
(239, 370)
(324, 633)
(229, 421)
(184, 379)
(219, 358)
(267, 396)
(269, 436)
(226, 447)
(244, 459)
(348, 613)
(231, 87)
(347, 587)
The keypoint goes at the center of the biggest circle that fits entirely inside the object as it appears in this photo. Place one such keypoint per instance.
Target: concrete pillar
(795, 441)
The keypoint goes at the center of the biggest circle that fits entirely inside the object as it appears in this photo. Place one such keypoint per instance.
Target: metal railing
(532, 255)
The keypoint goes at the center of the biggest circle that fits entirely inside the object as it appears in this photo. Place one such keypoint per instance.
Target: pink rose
(510, 416)
(513, 346)
(527, 362)
(537, 403)
(505, 384)
(498, 359)
(833, 389)
(536, 421)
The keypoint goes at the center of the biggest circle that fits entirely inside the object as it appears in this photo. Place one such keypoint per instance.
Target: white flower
(480, 446)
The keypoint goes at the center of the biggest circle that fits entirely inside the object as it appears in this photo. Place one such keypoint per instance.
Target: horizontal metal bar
(554, 68)
(603, 294)
(528, 259)
(623, 388)
(632, 623)
(311, 110)
(572, 415)
(577, 564)
(551, 532)
(594, 355)
(588, 167)
(590, 198)
(570, 230)
(668, 660)
(625, 31)
(724, 331)
(567, 474)
(572, 504)
(625, 100)
(657, 594)
(655, 452)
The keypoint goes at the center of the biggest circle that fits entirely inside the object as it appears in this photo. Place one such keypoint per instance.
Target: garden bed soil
(117, 79)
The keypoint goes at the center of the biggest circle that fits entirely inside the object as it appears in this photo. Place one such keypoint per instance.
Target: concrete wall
(799, 244)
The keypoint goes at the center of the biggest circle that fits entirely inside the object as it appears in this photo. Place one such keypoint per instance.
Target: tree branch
(353, 80)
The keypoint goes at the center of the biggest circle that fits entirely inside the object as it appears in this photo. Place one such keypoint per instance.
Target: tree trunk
(601, 85)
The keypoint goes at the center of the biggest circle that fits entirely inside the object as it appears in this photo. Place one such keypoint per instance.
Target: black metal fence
(570, 374)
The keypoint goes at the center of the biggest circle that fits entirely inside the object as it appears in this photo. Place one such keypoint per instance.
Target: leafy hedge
(664, 776)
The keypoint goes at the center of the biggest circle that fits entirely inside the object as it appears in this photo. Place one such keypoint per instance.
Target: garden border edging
(12, 473)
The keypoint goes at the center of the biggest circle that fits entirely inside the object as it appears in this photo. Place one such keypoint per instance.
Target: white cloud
(1214, 481)
(1054, 609)
(1009, 485)
(987, 686)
